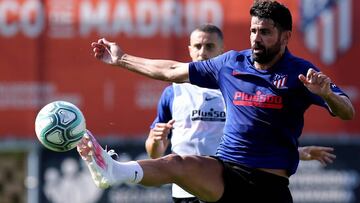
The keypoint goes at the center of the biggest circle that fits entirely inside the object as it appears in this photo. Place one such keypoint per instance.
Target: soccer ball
(59, 126)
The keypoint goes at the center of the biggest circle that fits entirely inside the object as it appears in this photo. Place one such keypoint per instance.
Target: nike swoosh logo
(136, 173)
(210, 98)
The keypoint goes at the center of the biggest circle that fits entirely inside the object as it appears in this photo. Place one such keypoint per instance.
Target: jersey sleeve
(205, 73)
(164, 110)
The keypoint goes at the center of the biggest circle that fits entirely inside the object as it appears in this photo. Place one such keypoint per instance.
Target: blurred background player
(192, 118)
(197, 115)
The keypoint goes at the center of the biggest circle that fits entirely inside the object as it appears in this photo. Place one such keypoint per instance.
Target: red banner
(46, 55)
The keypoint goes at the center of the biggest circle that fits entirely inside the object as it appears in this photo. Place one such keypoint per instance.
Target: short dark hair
(210, 28)
(273, 10)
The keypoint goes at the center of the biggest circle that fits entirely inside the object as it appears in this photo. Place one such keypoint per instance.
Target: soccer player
(266, 90)
(199, 115)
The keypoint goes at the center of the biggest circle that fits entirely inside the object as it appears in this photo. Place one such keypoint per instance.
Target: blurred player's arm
(166, 70)
(322, 154)
(157, 141)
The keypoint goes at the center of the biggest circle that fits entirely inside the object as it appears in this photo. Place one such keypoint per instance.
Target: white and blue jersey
(199, 115)
(265, 108)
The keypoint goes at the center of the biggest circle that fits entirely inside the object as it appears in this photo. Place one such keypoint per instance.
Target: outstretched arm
(167, 70)
(322, 154)
(319, 83)
(157, 141)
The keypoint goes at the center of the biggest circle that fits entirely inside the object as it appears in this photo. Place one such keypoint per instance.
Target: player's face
(267, 42)
(204, 46)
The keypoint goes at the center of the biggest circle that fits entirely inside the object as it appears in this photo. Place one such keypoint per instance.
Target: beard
(267, 54)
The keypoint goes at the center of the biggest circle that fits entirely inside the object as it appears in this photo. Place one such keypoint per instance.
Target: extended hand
(322, 154)
(316, 82)
(108, 52)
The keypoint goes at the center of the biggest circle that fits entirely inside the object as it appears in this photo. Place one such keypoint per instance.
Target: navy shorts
(244, 184)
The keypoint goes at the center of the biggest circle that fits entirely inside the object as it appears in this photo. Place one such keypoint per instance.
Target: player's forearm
(340, 106)
(154, 148)
(165, 70)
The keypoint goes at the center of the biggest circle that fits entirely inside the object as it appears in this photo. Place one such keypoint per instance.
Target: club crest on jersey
(279, 81)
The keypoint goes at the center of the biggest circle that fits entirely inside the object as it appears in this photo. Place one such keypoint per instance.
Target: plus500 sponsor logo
(211, 115)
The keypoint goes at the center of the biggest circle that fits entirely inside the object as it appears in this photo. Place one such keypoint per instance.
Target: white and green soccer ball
(60, 125)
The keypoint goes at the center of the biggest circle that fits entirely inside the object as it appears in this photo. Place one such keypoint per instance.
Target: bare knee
(191, 172)
(177, 164)
(180, 166)
(163, 170)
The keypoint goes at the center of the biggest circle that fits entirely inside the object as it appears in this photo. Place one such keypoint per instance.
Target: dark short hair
(273, 10)
(210, 28)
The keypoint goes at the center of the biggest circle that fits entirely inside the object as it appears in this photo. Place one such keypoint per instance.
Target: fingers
(321, 79)
(328, 149)
(324, 149)
(314, 77)
(325, 152)
(325, 161)
(302, 78)
(164, 126)
(329, 157)
(328, 160)
(326, 157)
(322, 154)
(98, 46)
(160, 133)
(104, 41)
(170, 124)
(308, 78)
(158, 137)
(310, 74)
(172, 121)
(161, 130)
(108, 52)
(322, 162)
(98, 49)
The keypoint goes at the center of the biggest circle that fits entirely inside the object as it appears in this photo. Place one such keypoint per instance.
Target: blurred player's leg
(200, 175)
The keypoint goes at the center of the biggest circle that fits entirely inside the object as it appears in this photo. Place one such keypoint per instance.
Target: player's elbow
(177, 78)
(350, 115)
(178, 73)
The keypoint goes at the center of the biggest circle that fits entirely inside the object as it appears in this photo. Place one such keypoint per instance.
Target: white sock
(127, 172)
